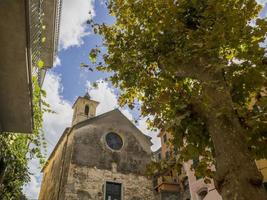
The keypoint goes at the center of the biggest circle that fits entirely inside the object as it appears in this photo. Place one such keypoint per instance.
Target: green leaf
(40, 64)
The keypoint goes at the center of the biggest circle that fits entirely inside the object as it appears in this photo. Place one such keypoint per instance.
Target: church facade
(99, 157)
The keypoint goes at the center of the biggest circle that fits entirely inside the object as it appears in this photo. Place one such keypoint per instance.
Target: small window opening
(202, 193)
(86, 110)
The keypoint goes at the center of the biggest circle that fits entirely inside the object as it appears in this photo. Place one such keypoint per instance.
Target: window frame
(203, 189)
(106, 142)
(112, 181)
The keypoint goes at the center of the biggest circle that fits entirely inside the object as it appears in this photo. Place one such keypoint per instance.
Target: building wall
(262, 166)
(196, 185)
(91, 150)
(86, 183)
(82, 161)
(79, 108)
(52, 173)
(165, 138)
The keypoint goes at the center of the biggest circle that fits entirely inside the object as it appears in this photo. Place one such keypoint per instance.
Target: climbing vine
(16, 149)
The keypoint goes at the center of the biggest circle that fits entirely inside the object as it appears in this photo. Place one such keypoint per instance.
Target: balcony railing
(35, 13)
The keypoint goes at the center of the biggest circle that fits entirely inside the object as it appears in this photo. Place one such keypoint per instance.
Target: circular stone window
(114, 141)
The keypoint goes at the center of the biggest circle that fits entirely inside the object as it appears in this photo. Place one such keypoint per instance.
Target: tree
(198, 68)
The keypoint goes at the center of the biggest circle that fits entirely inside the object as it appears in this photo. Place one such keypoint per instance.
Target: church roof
(88, 121)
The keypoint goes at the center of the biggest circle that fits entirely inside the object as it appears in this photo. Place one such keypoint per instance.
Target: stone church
(98, 157)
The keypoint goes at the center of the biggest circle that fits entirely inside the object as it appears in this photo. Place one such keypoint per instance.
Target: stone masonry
(88, 183)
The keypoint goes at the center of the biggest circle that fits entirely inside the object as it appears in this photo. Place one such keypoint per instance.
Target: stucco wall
(195, 185)
(52, 173)
(91, 150)
(79, 108)
(262, 166)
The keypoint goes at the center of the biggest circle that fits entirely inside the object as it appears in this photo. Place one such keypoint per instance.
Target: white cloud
(103, 94)
(262, 1)
(32, 188)
(55, 123)
(57, 62)
(73, 25)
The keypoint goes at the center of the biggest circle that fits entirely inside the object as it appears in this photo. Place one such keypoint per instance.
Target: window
(165, 138)
(186, 183)
(113, 191)
(202, 193)
(114, 141)
(86, 110)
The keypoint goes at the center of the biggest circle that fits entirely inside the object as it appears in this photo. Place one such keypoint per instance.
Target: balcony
(166, 183)
(20, 38)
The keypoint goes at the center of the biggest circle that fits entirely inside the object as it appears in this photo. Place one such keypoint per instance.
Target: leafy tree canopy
(198, 68)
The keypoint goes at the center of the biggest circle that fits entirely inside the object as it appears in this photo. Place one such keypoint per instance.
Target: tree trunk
(237, 177)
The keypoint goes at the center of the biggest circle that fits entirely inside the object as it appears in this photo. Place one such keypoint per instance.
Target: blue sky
(74, 55)
(66, 81)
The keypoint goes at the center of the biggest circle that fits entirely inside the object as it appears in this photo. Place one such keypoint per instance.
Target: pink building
(184, 184)
(199, 190)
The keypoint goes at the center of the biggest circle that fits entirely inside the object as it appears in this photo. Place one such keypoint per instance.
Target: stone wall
(88, 183)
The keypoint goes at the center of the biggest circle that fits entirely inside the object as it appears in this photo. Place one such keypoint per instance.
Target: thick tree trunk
(237, 177)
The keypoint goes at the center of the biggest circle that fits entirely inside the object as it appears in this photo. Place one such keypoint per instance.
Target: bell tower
(83, 108)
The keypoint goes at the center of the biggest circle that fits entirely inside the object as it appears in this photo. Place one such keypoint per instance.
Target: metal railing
(36, 14)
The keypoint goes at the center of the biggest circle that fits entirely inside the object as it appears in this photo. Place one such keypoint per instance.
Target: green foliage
(40, 64)
(13, 153)
(163, 52)
(93, 55)
(17, 149)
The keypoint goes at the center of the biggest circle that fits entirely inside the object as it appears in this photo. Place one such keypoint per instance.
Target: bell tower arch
(83, 108)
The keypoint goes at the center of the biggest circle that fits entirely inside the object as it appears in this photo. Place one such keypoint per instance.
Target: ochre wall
(52, 174)
(55, 173)
(262, 166)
